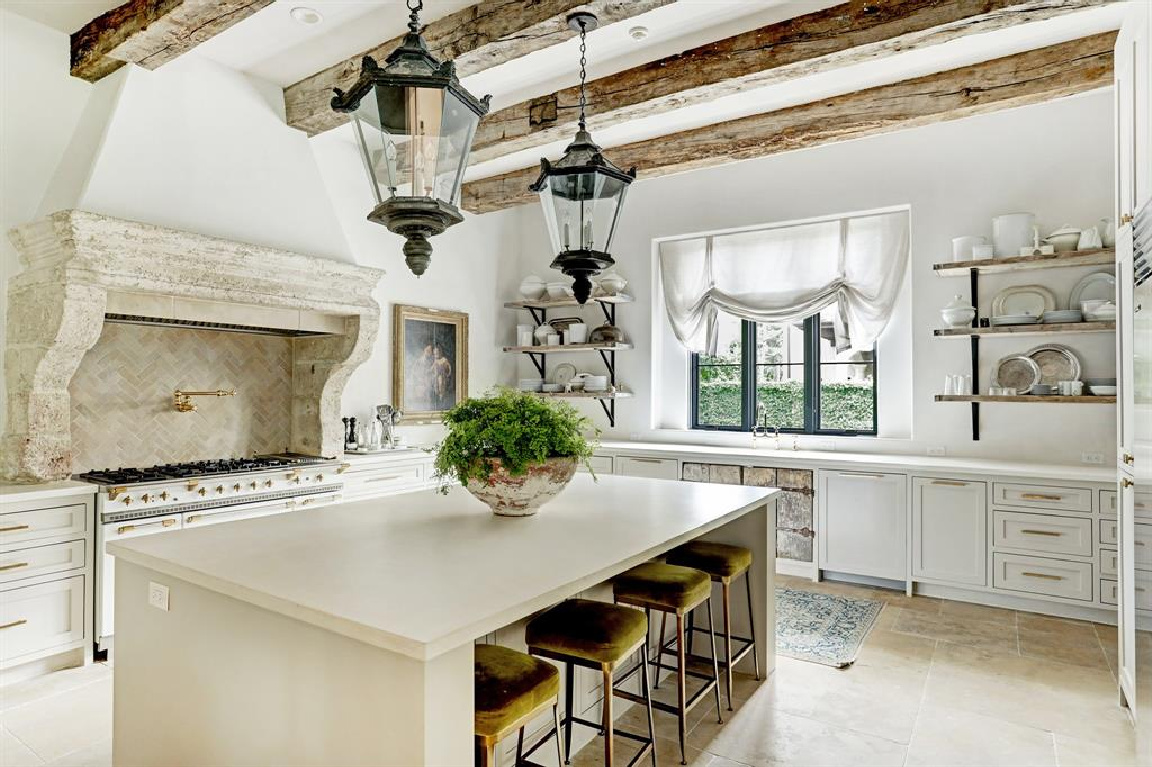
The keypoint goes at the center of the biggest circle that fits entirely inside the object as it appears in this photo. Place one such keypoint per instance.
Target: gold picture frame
(429, 361)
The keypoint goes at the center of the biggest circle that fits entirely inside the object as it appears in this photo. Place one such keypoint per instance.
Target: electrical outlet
(158, 596)
(1095, 459)
(937, 450)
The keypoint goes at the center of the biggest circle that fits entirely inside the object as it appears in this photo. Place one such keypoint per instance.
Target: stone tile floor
(936, 683)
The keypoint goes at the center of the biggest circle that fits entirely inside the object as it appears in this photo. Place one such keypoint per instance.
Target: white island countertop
(422, 573)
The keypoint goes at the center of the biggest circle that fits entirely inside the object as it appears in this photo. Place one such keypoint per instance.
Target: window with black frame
(785, 376)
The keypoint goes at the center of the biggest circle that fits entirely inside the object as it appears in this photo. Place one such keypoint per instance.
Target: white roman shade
(787, 273)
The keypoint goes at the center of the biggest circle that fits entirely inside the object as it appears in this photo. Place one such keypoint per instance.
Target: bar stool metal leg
(647, 693)
(716, 666)
(726, 588)
(751, 631)
(660, 648)
(569, 703)
(560, 758)
(681, 691)
(520, 747)
(607, 711)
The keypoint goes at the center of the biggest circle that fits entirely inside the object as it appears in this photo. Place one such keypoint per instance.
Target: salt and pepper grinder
(349, 433)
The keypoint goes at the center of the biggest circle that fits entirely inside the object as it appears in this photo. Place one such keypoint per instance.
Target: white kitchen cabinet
(645, 466)
(863, 527)
(949, 530)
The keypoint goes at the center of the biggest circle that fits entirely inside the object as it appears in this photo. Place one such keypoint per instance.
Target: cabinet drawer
(1109, 593)
(40, 560)
(1046, 533)
(1042, 497)
(1109, 535)
(1039, 575)
(41, 617)
(383, 480)
(1142, 546)
(20, 526)
(642, 466)
(1142, 503)
(601, 464)
(1109, 563)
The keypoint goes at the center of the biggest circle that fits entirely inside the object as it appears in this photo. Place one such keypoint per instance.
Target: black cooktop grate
(122, 476)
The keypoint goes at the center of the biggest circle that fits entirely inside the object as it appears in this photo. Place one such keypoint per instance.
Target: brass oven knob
(219, 488)
(236, 487)
(252, 486)
(296, 480)
(267, 483)
(319, 477)
(164, 495)
(145, 498)
(127, 500)
(202, 490)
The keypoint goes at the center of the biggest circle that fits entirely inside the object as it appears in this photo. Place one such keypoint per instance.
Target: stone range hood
(82, 266)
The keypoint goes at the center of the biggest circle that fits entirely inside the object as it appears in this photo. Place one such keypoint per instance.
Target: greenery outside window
(784, 376)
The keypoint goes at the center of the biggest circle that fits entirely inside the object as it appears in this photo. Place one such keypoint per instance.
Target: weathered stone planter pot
(523, 495)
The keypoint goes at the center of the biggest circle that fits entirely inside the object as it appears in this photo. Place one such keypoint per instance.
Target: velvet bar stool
(596, 635)
(677, 590)
(512, 689)
(723, 563)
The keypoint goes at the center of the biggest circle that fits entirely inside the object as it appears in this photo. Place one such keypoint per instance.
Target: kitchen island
(344, 635)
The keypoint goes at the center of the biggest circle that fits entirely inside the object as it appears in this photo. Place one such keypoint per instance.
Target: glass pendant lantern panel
(581, 210)
(414, 141)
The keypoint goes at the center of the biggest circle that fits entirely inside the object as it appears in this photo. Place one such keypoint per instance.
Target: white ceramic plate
(1023, 299)
(1099, 286)
(563, 373)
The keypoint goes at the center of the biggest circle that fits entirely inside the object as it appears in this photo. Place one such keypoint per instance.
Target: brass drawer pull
(1041, 497)
(643, 460)
(14, 624)
(194, 517)
(949, 483)
(389, 478)
(129, 528)
(13, 528)
(343, 468)
(865, 476)
(13, 566)
(1045, 576)
(1051, 533)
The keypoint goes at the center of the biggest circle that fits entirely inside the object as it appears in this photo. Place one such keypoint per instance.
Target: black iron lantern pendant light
(582, 193)
(414, 123)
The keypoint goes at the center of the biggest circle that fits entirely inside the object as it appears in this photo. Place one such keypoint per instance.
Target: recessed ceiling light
(638, 32)
(306, 15)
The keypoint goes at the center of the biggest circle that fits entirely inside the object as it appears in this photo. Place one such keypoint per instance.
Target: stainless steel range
(158, 499)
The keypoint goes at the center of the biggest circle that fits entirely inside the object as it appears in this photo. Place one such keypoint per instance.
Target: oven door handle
(129, 528)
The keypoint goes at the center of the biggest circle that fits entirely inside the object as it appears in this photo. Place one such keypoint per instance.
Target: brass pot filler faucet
(181, 400)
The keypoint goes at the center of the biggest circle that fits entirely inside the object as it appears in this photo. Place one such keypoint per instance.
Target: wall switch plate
(1094, 459)
(938, 450)
(158, 596)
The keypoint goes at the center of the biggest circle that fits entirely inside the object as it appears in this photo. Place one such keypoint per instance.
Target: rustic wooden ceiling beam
(1025, 78)
(834, 37)
(481, 36)
(152, 32)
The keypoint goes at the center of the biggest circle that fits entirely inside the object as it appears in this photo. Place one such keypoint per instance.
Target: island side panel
(755, 530)
(217, 681)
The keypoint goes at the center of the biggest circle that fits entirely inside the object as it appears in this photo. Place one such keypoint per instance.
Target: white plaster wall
(1053, 159)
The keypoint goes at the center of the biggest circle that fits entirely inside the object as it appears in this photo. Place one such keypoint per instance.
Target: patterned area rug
(823, 628)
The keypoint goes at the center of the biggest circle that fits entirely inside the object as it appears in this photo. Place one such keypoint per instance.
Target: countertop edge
(14, 491)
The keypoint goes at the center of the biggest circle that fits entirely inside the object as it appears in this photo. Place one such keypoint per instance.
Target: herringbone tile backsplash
(122, 412)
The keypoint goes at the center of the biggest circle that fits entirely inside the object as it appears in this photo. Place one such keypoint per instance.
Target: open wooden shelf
(1094, 257)
(1086, 399)
(613, 347)
(1102, 326)
(556, 303)
(585, 394)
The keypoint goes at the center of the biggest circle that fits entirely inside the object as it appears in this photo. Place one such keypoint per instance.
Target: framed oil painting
(429, 361)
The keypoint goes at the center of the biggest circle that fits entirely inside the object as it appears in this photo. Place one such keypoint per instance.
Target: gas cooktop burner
(197, 469)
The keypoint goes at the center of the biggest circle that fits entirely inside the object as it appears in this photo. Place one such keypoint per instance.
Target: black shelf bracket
(609, 358)
(609, 311)
(974, 289)
(540, 361)
(609, 406)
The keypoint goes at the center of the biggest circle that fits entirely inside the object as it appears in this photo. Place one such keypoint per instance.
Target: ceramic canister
(962, 247)
(1012, 231)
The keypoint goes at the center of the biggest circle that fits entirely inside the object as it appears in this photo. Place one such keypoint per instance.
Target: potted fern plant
(512, 450)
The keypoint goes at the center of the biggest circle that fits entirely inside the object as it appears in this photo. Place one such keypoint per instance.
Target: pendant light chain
(583, 72)
(414, 8)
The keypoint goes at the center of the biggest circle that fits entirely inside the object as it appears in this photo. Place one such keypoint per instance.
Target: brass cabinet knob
(202, 490)
(1129, 459)
(1125, 482)
(1127, 217)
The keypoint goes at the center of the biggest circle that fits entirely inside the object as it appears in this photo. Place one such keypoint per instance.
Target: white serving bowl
(1102, 390)
(532, 287)
(558, 290)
